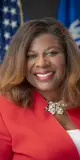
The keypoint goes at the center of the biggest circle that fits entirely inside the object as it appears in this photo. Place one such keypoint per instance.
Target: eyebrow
(54, 47)
(48, 48)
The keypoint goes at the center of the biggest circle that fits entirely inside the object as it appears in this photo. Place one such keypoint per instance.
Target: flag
(69, 15)
(9, 23)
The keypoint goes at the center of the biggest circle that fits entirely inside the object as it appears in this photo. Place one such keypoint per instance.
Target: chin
(45, 88)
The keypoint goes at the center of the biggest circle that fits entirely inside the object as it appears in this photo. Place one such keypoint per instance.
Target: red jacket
(33, 133)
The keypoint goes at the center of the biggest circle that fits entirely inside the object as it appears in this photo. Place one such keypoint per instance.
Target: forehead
(44, 41)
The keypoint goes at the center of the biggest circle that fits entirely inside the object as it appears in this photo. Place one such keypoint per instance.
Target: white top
(75, 136)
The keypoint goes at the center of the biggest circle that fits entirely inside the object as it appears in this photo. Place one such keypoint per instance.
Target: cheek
(59, 62)
(60, 65)
(29, 71)
(61, 70)
(29, 66)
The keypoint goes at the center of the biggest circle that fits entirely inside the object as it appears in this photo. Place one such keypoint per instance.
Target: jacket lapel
(74, 115)
(66, 146)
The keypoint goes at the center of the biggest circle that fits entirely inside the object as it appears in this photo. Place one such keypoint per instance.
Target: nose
(42, 62)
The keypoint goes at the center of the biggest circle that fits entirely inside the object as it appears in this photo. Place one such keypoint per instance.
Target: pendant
(56, 107)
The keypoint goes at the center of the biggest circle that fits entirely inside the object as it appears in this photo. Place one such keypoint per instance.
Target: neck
(51, 95)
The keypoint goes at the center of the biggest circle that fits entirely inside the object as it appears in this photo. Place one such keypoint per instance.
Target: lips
(44, 76)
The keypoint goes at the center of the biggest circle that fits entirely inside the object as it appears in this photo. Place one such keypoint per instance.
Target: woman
(40, 94)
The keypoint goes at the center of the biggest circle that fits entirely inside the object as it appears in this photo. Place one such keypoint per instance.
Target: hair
(13, 82)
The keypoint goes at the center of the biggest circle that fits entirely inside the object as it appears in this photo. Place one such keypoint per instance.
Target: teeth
(44, 75)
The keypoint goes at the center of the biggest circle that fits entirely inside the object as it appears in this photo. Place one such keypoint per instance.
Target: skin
(46, 55)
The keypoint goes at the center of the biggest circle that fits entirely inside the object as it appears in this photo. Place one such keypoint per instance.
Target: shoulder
(9, 111)
(12, 112)
(13, 116)
(6, 105)
(5, 138)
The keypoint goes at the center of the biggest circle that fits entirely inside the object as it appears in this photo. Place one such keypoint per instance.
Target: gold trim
(21, 12)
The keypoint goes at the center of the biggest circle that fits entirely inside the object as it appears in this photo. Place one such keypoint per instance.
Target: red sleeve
(5, 142)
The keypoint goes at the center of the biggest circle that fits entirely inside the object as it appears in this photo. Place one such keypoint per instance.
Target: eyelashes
(48, 53)
(31, 56)
(52, 53)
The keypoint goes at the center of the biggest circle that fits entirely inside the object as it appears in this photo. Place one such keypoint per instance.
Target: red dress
(33, 133)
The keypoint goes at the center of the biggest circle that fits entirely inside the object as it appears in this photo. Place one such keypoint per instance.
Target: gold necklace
(56, 107)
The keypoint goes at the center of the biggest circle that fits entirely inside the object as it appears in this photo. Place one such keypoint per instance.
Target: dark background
(39, 8)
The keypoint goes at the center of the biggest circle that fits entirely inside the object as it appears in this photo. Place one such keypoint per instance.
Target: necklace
(56, 107)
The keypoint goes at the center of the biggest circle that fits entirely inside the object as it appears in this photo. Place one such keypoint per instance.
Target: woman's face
(45, 63)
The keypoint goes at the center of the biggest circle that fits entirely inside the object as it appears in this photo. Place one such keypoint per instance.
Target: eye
(51, 53)
(30, 57)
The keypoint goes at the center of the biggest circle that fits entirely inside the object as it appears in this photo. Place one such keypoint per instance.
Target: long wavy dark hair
(13, 82)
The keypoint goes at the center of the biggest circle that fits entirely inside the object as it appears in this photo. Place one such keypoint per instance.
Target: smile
(45, 76)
